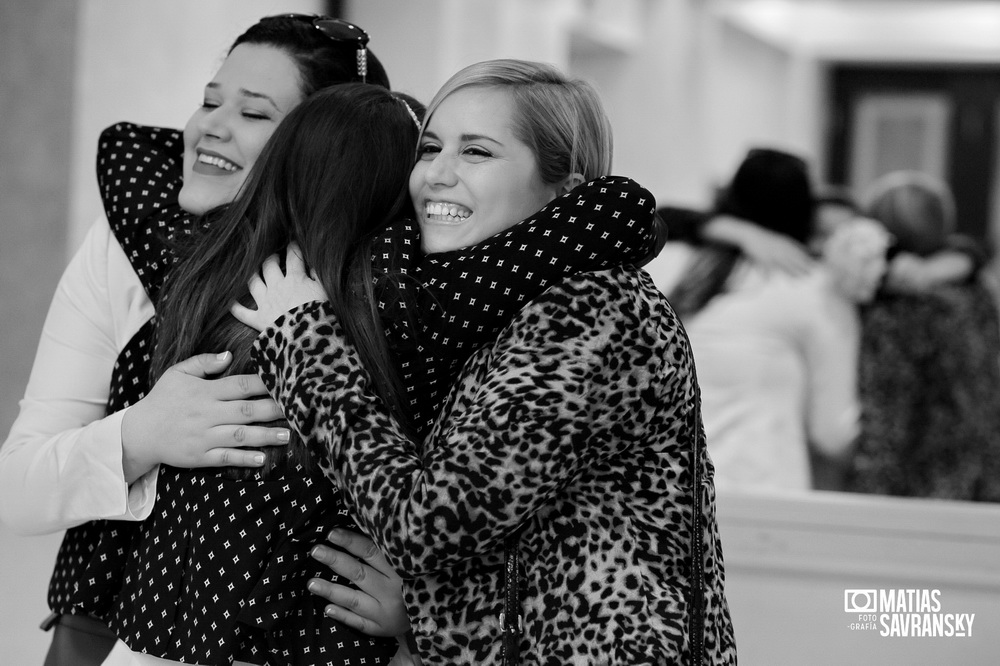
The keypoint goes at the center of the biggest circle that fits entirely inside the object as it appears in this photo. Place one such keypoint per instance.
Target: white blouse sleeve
(61, 464)
(831, 349)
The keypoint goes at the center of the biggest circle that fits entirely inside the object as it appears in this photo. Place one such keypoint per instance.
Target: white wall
(655, 90)
(24, 579)
(790, 558)
(423, 42)
(759, 94)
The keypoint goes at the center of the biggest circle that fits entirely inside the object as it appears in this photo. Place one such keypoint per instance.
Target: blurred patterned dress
(929, 383)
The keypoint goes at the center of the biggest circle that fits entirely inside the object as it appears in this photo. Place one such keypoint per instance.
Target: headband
(410, 111)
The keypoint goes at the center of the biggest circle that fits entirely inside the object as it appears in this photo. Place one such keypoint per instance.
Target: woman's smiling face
(473, 177)
(254, 89)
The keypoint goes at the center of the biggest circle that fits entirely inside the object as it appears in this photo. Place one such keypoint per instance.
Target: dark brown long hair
(331, 177)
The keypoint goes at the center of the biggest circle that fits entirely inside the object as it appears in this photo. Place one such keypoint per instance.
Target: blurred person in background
(929, 378)
(775, 349)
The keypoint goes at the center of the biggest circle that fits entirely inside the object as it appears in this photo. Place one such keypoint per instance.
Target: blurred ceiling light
(882, 29)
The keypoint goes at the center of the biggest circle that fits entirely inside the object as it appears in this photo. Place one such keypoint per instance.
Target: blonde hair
(917, 208)
(562, 120)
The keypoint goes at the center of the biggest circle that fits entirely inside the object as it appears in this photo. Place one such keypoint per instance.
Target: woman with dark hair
(776, 352)
(83, 453)
(771, 188)
(263, 522)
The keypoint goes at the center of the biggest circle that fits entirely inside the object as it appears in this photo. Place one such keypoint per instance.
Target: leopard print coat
(581, 427)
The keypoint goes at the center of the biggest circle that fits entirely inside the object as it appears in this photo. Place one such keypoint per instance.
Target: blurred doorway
(938, 119)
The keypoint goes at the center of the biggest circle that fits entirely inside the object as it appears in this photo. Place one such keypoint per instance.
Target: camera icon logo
(860, 601)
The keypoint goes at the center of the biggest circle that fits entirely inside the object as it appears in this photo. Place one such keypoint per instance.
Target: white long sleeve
(61, 464)
(830, 344)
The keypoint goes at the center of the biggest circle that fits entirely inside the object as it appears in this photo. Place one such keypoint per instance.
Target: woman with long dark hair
(264, 521)
(76, 458)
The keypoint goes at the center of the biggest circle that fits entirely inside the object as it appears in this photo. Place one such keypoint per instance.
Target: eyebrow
(251, 94)
(466, 137)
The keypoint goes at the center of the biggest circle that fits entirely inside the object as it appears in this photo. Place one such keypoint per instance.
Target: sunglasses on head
(338, 30)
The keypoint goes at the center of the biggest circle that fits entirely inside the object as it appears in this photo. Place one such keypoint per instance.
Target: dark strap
(696, 618)
(510, 619)
(78, 640)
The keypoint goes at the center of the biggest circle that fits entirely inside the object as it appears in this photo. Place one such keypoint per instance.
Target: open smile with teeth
(446, 212)
(217, 162)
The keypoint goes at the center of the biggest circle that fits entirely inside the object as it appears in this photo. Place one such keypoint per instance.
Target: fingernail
(284, 436)
(335, 536)
(259, 458)
(311, 586)
(222, 356)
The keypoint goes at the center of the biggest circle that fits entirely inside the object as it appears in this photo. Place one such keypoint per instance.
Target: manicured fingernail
(311, 586)
(284, 436)
(259, 458)
(222, 356)
(336, 536)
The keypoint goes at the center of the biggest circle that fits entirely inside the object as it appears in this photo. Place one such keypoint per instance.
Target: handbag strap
(510, 618)
(696, 618)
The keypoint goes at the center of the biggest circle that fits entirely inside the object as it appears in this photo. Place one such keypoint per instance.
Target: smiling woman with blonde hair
(562, 507)
(560, 120)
